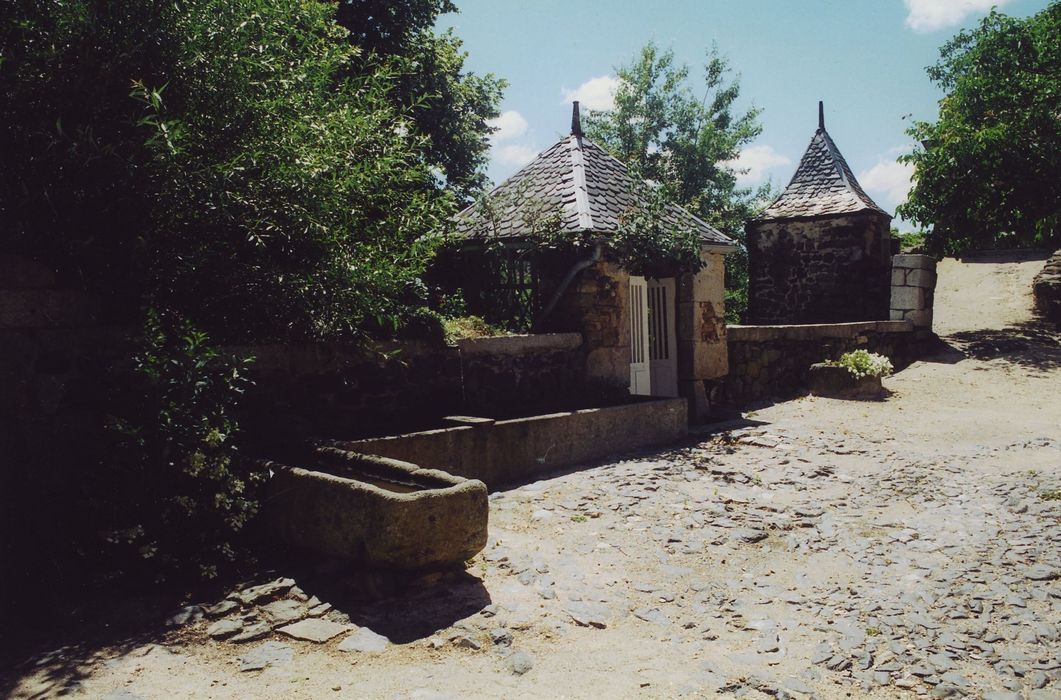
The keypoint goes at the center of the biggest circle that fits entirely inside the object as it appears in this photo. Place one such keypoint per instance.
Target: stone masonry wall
(771, 362)
(1047, 288)
(331, 390)
(913, 289)
(597, 307)
(826, 270)
(701, 332)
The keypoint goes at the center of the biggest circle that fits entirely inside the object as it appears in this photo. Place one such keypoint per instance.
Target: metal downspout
(578, 267)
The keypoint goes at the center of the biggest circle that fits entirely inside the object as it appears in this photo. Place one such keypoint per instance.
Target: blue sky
(864, 58)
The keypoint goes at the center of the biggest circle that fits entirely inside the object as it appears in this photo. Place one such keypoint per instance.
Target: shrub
(465, 327)
(175, 490)
(862, 363)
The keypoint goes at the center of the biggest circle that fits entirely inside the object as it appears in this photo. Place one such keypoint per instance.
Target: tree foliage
(239, 161)
(988, 171)
(447, 104)
(683, 137)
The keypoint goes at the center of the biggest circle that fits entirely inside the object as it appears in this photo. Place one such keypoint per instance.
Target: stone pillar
(913, 288)
(701, 332)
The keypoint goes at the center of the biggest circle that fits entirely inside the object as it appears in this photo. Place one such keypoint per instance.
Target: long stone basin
(509, 451)
(377, 512)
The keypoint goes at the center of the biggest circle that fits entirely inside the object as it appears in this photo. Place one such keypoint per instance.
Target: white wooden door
(640, 376)
(662, 353)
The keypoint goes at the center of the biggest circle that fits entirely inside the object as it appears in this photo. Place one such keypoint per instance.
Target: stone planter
(836, 382)
(378, 512)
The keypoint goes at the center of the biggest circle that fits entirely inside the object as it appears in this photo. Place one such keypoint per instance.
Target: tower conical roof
(822, 186)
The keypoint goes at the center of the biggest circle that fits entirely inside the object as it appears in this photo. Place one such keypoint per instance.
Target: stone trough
(377, 512)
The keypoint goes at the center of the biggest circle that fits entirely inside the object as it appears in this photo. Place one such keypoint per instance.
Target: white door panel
(663, 355)
(640, 373)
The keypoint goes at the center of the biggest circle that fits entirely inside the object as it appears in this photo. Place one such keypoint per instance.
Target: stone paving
(919, 577)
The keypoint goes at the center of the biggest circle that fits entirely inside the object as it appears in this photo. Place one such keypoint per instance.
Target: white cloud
(595, 93)
(513, 155)
(887, 181)
(509, 125)
(925, 16)
(756, 160)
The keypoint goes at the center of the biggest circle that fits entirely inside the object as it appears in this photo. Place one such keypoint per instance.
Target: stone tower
(821, 252)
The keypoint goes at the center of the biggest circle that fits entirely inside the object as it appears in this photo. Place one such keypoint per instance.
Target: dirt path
(907, 547)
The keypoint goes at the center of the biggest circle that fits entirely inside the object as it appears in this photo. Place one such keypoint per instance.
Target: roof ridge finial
(576, 120)
(821, 116)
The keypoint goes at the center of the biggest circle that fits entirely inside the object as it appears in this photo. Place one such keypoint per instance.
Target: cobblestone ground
(903, 548)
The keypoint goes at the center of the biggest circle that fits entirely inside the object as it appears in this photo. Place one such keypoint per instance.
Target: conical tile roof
(822, 186)
(590, 189)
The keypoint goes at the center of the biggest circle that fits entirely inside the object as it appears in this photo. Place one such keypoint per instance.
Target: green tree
(446, 103)
(216, 158)
(682, 137)
(988, 171)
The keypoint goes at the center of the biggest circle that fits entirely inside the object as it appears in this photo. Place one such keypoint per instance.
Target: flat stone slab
(224, 628)
(258, 594)
(268, 654)
(364, 640)
(284, 612)
(252, 632)
(314, 630)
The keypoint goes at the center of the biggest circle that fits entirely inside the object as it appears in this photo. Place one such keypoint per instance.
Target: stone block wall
(771, 362)
(913, 289)
(826, 270)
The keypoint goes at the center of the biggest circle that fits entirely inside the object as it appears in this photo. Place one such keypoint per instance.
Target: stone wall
(913, 289)
(334, 390)
(701, 332)
(771, 362)
(52, 356)
(826, 270)
(1047, 288)
(596, 306)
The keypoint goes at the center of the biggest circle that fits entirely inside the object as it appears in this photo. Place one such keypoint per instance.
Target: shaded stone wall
(827, 270)
(321, 390)
(771, 362)
(52, 357)
(596, 305)
(1047, 288)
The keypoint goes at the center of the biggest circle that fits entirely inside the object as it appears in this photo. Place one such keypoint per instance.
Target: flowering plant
(862, 363)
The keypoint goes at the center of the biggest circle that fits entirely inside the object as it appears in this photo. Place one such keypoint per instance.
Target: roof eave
(807, 217)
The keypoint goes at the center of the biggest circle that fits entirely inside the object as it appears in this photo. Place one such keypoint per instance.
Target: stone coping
(520, 344)
(811, 331)
(914, 261)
